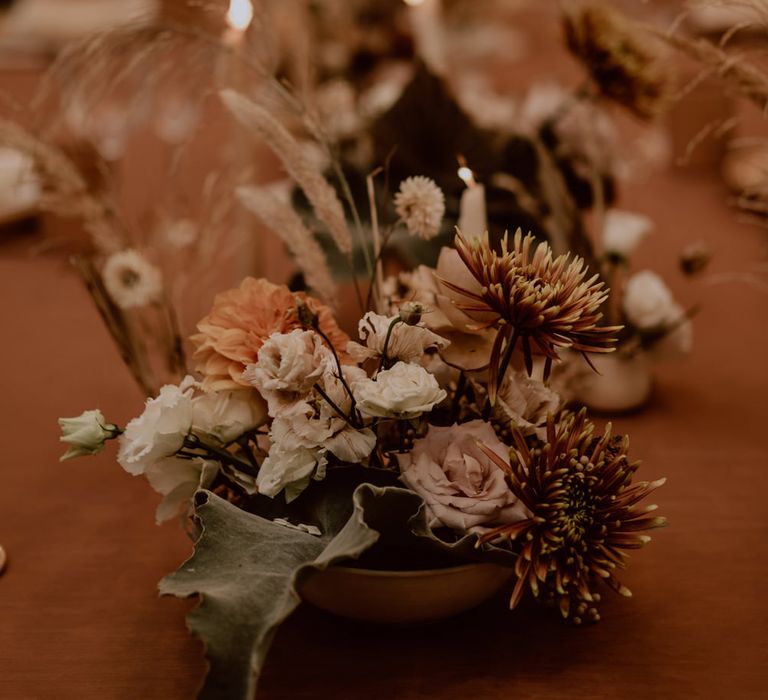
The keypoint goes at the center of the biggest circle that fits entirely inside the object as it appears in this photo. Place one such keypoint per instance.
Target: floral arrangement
(294, 447)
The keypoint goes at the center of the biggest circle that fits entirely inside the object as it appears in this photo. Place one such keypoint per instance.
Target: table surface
(79, 612)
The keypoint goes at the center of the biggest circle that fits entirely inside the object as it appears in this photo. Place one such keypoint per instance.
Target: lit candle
(239, 16)
(473, 221)
(427, 30)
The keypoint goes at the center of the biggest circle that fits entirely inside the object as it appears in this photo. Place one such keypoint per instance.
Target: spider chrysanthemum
(545, 302)
(585, 514)
(420, 203)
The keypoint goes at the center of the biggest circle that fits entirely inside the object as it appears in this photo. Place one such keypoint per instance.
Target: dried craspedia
(623, 66)
(585, 515)
(420, 203)
(546, 302)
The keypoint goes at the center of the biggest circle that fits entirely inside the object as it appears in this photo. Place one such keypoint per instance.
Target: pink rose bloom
(461, 486)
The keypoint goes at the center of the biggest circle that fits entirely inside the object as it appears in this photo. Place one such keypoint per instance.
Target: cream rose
(648, 303)
(462, 487)
(404, 391)
(226, 415)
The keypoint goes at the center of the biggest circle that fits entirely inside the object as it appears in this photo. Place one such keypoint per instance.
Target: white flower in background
(131, 280)
(420, 203)
(526, 402)
(226, 415)
(462, 487)
(406, 342)
(181, 232)
(289, 469)
(404, 391)
(623, 231)
(336, 103)
(647, 302)
(159, 432)
(677, 342)
(177, 480)
(288, 366)
(85, 434)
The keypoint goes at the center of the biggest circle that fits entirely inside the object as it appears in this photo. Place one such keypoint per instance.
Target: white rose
(623, 231)
(177, 480)
(406, 343)
(85, 434)
(226, 415)
(648, 303)
(288, 365)
(462, 487)
(159, 432)
(290, 469)
(404, 391)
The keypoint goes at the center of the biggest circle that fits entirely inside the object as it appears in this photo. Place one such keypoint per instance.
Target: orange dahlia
(242, 319)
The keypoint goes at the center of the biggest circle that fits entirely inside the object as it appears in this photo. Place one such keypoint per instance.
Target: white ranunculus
(404, 391)
(289, 468)
(159, 432)
(288, 365)
(462, 487)
(85, 434)
(623, 231)
(177, 480)
(647, 302)
(226, 415)
(406, 343)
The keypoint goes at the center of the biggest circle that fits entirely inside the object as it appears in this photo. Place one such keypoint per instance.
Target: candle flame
(413, 3)
(239, 14)
(467, 175)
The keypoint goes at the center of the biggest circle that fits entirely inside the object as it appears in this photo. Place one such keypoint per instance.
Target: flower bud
(410, 312)
(86, 434)
(307, 317)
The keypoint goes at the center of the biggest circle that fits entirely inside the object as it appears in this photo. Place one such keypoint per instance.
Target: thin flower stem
(384, 349)
(333, 405)
(194, 443)
(340, 375)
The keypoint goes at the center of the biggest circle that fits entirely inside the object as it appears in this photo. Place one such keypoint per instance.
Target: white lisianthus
(177, 480)
(159, 432)
(289, 469)
(623, 231)
(648, 303)
(85, 434)
(407, 343)
(404, 391)
(226, 415)
(526, 402)
(288, 366)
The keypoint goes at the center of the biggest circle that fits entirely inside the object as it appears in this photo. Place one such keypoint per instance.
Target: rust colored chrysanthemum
(585, 514)
(543, 301)
(623, 66)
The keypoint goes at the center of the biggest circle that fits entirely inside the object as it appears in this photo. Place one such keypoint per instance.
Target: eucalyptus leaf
(247, 568)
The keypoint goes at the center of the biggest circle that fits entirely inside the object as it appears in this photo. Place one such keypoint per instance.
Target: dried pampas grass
(288, 225)
(319, 192)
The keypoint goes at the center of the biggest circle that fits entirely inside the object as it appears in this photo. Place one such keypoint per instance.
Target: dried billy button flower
(543, 301)
(623, 66)
(584, 514)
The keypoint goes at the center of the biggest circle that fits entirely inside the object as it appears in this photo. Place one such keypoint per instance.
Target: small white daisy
(131, 280)
(421, 205)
